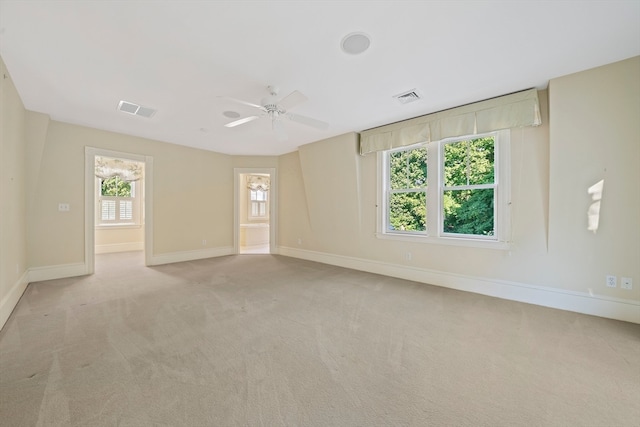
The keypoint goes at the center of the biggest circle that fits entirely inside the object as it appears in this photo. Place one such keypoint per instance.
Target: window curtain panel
(516, 110)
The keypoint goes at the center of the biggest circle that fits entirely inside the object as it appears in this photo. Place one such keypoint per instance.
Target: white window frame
(435, 188)
(117, 222)
(261, 205)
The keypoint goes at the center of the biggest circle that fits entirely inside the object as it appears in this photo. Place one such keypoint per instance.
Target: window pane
(116, 187)
(469, 212)
(108, 210)
(408, 211)
(398, 169)
(469, 162)
(417, 168)
(263, 209)
(455, 163)
(481, 161)
(126, 210)
(108, 187)
(254, 209)
(124, 188)
(408, 169)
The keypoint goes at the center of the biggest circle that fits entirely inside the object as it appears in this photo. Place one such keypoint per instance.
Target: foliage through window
(408, 190)
(118, 202)
(459, 197)
(469, 191)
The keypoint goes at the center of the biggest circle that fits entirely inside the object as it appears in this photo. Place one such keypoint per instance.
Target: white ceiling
(76, 60)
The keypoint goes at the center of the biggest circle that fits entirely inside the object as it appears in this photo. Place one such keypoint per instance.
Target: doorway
(117, 204)
(254, 216)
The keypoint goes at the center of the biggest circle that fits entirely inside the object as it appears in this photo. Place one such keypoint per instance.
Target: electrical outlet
(612, 281)
(626, 283)
(204, 242)
(408, 256)
(63, 207)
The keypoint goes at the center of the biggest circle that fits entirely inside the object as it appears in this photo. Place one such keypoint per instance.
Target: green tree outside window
(116, 187)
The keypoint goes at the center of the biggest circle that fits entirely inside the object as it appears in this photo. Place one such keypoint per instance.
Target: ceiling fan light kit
(277, 110)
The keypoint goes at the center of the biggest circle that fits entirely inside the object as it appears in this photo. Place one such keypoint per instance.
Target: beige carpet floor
(265, 340)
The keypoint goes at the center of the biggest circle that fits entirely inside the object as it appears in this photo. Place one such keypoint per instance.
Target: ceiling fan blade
(241, 121)
(291, 100)
(239, 101)
(277, 127)
(318, 124)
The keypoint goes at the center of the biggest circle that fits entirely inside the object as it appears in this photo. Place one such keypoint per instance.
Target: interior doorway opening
(255, 196)
(119, 205)
(118, 216)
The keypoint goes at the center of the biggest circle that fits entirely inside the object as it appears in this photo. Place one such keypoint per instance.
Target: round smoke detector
(355, 43)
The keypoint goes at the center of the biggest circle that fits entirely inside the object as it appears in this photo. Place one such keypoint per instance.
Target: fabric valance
(258, 182)
(107, 167)
(516, 110)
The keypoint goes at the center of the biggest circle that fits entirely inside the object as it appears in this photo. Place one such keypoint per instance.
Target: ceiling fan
(278, 111)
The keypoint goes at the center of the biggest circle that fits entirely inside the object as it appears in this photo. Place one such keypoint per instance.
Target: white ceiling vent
(135, 109)
(407, 97)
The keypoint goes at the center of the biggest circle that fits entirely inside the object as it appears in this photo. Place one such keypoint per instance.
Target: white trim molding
(172, 257)
(579, 302)
(52, 272)
(10, 300)
(119, 247)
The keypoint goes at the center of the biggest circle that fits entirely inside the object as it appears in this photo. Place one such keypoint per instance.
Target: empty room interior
(320, 213)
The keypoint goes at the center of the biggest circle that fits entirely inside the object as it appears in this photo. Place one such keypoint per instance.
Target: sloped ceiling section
(76, 61)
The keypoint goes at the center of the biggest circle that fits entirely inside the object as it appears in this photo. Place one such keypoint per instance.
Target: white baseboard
(37, 274)
(190, 255)
(119, 247)
(9, 302)
(580, 302)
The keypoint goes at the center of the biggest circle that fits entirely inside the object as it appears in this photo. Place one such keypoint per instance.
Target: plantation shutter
(108, 211)
(126, 210)
(516, 110)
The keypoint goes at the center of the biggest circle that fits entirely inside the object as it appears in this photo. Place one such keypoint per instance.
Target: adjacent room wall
(192, 194)
(13, 185)
(119, 239)
(590, 132)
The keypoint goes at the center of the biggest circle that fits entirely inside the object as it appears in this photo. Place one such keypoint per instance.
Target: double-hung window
(119, 202)
(463, 199)
(258, 204)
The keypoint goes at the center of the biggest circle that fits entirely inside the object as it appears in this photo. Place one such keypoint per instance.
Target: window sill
(447, 241)
(117, 226)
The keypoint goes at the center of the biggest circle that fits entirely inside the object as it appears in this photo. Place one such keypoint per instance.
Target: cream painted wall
(293, 214)
(594, 127)
(193, 190)
(330, 177)
(595, 136)
(13, 184)
(118, 237)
